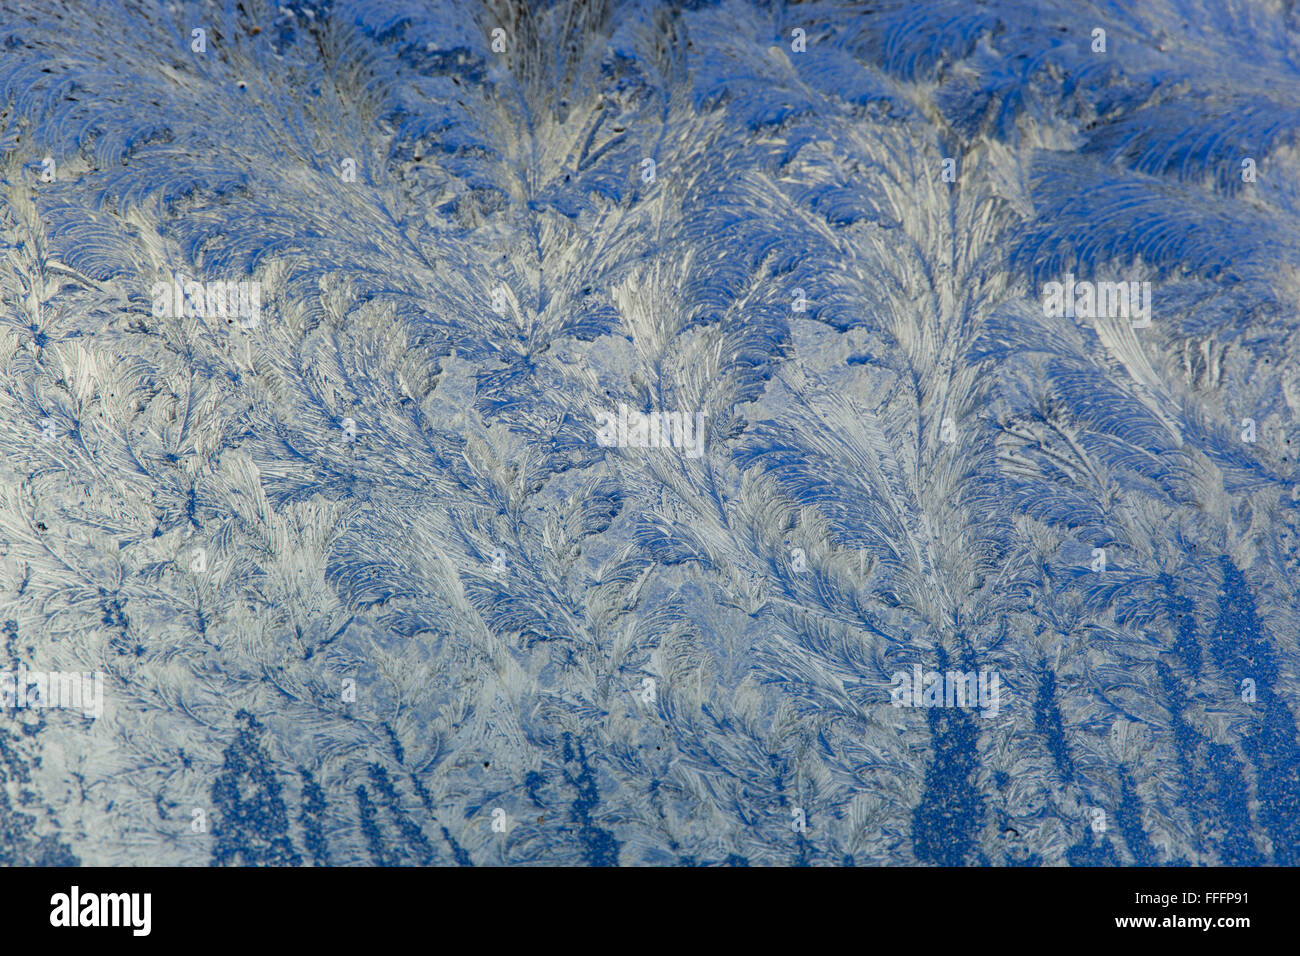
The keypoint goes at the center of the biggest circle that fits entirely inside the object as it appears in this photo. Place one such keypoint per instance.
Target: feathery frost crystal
(482, 432)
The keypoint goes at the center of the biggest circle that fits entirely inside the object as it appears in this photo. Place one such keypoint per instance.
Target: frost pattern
(362, 580)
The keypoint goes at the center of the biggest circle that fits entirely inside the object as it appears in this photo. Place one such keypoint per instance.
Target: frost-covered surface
(363, 574)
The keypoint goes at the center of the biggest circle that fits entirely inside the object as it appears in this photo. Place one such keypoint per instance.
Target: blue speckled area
(647, 437)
